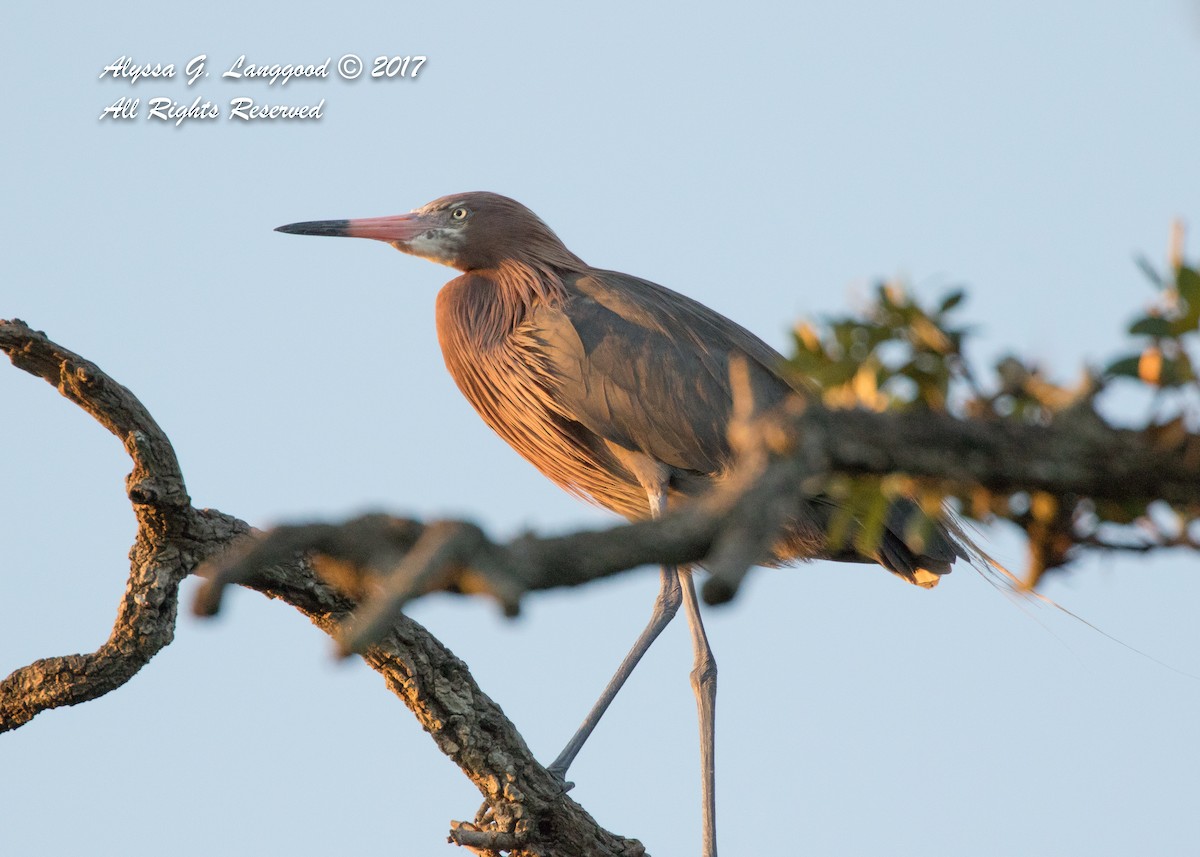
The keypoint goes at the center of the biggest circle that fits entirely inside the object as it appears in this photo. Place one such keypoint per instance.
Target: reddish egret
(614, 387)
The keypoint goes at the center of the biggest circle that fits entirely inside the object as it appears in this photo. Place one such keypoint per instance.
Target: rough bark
(1077, 454)
(784, 456)
(383, 562)
(528, 811)
(171, 537)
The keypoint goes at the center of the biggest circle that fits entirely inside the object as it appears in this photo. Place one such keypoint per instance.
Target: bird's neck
(482, 309)
(522, 285)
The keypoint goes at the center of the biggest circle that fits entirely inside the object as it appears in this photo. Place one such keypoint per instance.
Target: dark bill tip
(317, 227)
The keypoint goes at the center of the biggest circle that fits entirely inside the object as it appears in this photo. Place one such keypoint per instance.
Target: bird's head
(467, 231)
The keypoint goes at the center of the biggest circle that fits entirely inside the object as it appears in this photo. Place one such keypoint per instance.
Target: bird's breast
(499, 363)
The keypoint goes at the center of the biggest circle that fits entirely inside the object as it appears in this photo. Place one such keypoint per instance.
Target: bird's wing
(646, 368)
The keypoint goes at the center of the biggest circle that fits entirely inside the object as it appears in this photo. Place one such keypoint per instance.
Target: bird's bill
(400, 227)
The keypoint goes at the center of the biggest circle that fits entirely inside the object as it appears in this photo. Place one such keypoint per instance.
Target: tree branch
(171, 537)
(786, 457)
(1078, 454)
(528, 808)
(381, 563)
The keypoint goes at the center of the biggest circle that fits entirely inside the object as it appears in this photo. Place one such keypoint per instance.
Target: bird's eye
(459, 214)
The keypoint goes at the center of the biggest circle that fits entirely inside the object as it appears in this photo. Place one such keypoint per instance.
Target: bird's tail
(918, 549)
(913, 546)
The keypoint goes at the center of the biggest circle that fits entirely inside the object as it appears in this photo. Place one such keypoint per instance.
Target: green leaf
(834, 374)
(951, 301)
(1187, 281)
(1187, 284)
(1126, 367)
(1120, 512)
(1186, 323)
(1176, 372)
(1148, 269)
(837, 532)
(1151, 325)
(870, 534)
(843, 333)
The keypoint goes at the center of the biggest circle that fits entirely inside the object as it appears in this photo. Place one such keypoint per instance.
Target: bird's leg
(704, 684)
(665, 607)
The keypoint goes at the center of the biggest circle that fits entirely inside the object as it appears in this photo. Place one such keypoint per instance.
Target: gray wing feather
(648, 369)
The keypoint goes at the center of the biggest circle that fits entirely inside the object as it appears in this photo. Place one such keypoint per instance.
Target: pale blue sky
(769, 163)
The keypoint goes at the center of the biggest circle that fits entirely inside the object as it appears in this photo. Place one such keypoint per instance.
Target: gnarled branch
(528, 807)
(788, 454)
(385, 562)
(172, 537)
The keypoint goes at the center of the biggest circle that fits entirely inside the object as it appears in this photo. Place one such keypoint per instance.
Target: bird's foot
(561, 776)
